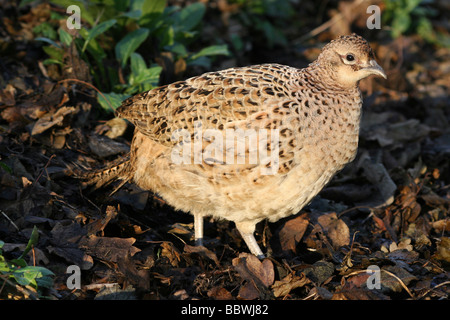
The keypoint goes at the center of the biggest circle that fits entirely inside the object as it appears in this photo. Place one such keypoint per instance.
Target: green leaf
(221, 49)
(54, 53)
(47, 62)
(86, 10)
(93, 47)
(273, 35)
(50, 41)
(113, 100)
(133, 14)
(64, 37)
(28, 275)
(200, 61)
(178, 49)
(34, 238)
(410, 5)
(45, 29)
(401, 23)
(21, 263)
(97, 30)
(4, 267)
(129, 44)
(151, 11)
(137, 63)
(24, 3)
(191, 16)
(9, 170)
(152, 6)
(425, 30)
(145, 79)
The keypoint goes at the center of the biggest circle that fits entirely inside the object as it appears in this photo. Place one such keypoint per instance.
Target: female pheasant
(251, 143)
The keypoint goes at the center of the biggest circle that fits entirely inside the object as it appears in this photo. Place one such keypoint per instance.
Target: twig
(399, 280)
(12, 222)
(89, 85)
(435, 287)
(327, 24)
(23, 290)
(45, 167)
(354, 208)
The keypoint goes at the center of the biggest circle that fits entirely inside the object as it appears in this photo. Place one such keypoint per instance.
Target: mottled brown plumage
(315, 112)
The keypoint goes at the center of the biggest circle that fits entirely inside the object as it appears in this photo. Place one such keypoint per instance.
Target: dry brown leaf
(51, 119)
(104, 147)
(442, 225)
(443, 250)
(219, 293)
(336, 229)
(252, 269)
(399, 278)
(292, 232)
(139, 278)
(202, 251)
(357, 281)
(248, 292)
(283, 287)
(108, 248)
(100, 224)
(169, 251)
(359, 294)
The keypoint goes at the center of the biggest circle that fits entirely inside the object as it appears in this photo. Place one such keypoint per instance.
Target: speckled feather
(316, 111)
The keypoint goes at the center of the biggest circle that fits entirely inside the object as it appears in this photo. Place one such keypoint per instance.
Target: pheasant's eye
(350, 57)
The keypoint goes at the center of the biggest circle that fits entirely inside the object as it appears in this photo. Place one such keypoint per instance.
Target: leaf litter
(389, 208)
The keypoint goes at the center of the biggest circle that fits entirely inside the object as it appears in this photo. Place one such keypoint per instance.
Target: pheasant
(248, 143)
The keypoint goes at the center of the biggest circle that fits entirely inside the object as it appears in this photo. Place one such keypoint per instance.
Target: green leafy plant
(409, 17)
(120, 41)
(17, 271)
(266, 17)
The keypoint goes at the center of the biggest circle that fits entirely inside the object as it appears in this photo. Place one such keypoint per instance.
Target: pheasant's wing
(236, 97)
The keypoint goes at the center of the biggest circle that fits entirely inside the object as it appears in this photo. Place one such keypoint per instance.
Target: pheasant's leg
(198, 229)
(246, 230)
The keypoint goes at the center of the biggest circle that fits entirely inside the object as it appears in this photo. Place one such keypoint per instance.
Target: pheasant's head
(350, 59)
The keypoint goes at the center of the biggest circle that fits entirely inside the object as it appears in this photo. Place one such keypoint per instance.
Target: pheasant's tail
(118, 170)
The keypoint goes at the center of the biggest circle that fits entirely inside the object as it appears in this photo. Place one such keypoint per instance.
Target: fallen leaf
(49, 120)
(319, 272)
(73, 255)
(283, 287)
(112, 128)
(359, 294)
(379, 177)
(108, 248)
(100, 224)
(389, 282)
(357, 281)
(336, 229)
(171, 253)
(251, 269)
(219, 293)
(202, 251)
(292, 232)
(441, 225)
(140, 278)
(248, 292)
(114, 292)
(103, 146)
(443, 250)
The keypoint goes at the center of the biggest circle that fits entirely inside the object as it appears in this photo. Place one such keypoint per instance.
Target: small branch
(89, 85)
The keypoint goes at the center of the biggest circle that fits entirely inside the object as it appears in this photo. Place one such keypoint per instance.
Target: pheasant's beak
(374, 68)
